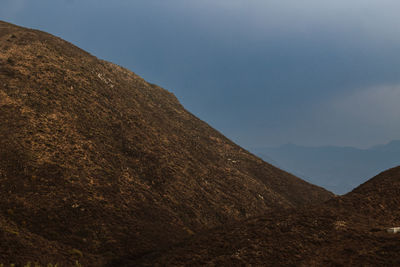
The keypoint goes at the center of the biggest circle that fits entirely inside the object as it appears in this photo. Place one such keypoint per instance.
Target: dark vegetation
(348, 230)
(99, 166)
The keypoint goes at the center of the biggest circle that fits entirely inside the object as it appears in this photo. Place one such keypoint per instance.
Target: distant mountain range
(338, 169)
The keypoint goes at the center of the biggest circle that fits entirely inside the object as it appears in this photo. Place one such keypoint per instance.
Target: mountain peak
(95, 159)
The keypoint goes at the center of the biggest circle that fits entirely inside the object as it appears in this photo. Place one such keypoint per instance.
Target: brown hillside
(345, 231)
(95, 159)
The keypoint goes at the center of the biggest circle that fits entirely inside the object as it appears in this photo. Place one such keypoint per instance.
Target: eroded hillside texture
(97, 165)
(349, 230)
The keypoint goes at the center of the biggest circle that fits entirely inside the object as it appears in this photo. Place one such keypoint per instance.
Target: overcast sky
(262, 72)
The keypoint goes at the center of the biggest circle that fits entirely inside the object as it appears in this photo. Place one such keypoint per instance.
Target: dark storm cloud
(262, 72)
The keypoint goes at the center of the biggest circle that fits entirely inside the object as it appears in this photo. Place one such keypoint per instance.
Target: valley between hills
(100, 168)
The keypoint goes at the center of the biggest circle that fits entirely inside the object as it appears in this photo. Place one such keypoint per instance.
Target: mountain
(349, 230)
(97, 164)
(339, 169)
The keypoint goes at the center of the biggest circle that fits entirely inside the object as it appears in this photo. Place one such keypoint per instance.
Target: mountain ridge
(95, 161)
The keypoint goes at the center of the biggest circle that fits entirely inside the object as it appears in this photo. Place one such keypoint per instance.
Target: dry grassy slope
(344, 231)
(18, 245)
(95, 158)
(378, 198)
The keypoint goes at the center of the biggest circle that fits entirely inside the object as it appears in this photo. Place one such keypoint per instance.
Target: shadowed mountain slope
(345, 231)
(96, 160)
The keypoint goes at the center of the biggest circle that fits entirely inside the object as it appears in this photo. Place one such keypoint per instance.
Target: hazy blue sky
(262, 72)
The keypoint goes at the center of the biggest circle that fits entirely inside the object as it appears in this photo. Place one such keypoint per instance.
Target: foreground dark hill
(345, 231)
(96, 161)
